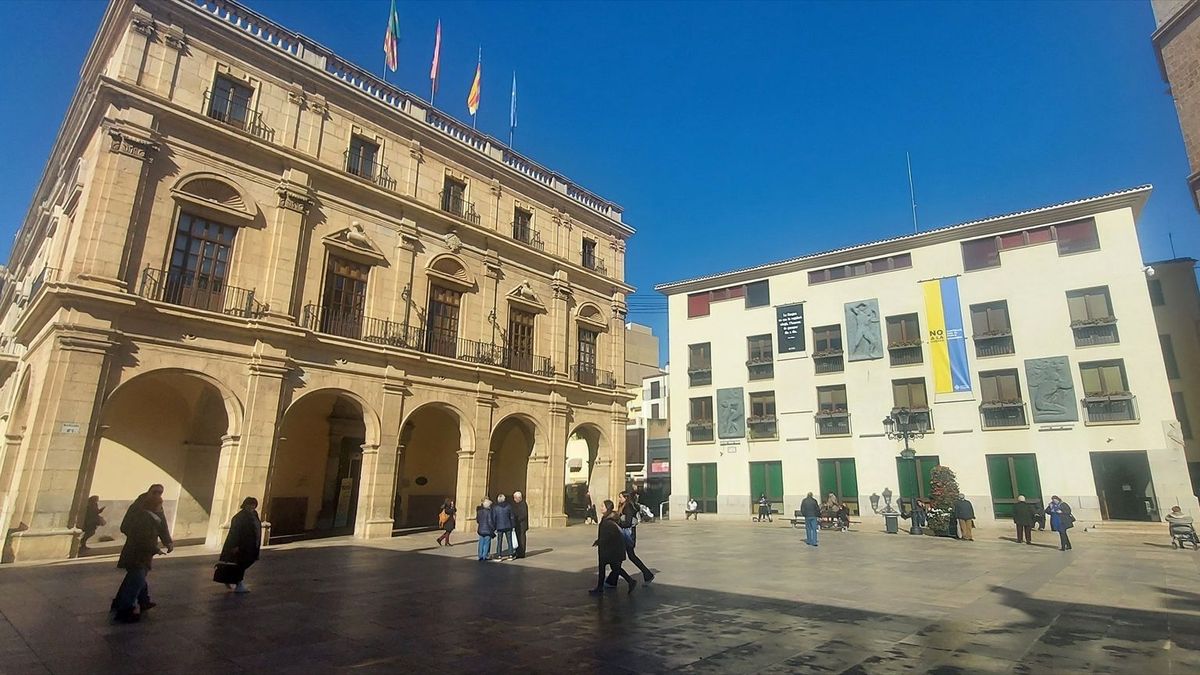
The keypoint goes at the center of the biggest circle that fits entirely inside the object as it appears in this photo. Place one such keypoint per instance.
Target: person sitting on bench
(693, 509)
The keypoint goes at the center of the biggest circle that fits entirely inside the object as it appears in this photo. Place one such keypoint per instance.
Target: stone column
(619, 417)
(287, 235)
(466, 497)
(8, 475)
(377, 486)
(616, 339)
(556, 463)
(218, 526)
(63, 429)
(560, 318)
(481, 465)
(116, 189)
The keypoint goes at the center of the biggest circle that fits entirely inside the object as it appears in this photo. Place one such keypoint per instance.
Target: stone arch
(450, 268)
(515, 440)
(590, 313)
(165, 426)
(215, 193)
(588, 467)
(316, 471)
(434, 437)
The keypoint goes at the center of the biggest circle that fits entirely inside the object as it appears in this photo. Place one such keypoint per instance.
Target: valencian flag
(437, 56)
(391, 40)
(473, 97)
(947, 338)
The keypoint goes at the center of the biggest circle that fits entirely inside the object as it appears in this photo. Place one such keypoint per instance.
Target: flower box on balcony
(992, 334)
(904, 344)
(832, 412)
(827, 354)
(762, 419)
(700, 424)
(699, 371)
(1100, 397)
(1101, 321)
(991, 405)
(761, 361)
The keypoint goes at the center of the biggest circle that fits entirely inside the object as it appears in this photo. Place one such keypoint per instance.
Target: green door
(1011, 476)
(766, 478)
(702, 486)
(839, 477)
(916, 475)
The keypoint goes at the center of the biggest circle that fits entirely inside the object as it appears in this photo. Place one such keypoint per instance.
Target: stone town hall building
(252, 268)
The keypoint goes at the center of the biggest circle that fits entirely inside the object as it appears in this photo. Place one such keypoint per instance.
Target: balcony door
(520, 340)
(345, 297)
(586, 355)
(199, 263)
(444, 307)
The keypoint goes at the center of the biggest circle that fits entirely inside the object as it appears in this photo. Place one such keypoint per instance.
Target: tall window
(522, 226)
(1077, 237)
(700, 422)
(761, 422)
(442, 319)
(199, 263)
(833, 418)
(827, 349)
(700, 364)
(1168, 350)
(1092, 319)
(363, 157)
(1002, 405)
(980, 254)
(904, 340)
(991, 329)
(588, 254)
(910, 394)
(585, 355)
(229, 102)
(454, 196)
(1106, 392)
(345, 297)
(656, 389)
(761, 363)
(520, 340)
(1156, 292)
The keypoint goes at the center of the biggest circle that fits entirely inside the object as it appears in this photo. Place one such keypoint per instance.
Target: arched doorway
(162, 427)
(316, 473)
(427, 474)
(582, 475)
(511, 446)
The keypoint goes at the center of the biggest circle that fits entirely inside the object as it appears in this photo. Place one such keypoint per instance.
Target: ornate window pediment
(354, 243)
(450, 270)
(524, 295)
(590, 315)
(215, 195)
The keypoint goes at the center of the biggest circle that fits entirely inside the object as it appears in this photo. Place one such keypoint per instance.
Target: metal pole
(912, 192)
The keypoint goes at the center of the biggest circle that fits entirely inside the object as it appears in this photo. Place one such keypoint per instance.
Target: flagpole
(478, 63)
(912, 191)
(512, 111)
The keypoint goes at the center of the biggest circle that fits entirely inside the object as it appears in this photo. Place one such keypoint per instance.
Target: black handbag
(227, 573)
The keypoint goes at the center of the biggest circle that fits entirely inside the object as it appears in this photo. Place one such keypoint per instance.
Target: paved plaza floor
(729, 598)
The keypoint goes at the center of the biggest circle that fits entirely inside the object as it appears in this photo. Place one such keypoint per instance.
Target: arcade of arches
(183, 429)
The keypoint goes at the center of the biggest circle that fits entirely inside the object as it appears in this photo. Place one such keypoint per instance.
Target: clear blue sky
(736, 134)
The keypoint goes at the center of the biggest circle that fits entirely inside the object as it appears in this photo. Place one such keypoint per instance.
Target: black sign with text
(790, 320)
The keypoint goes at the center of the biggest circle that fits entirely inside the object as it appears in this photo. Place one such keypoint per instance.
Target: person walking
(446, 522)
(627, 519)
(693, 510)
(590, 511)
(520, 510)
(611, 548)
(764, 508)
(243, 543)
(503, 514)
(810, 510)
(1023, 519)
(142, 531)
(164, 532)
(485, 526)
(1061, 520)
(92, 520)
(965, 513)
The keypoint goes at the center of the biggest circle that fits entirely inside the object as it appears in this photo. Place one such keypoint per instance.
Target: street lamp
(900, 426)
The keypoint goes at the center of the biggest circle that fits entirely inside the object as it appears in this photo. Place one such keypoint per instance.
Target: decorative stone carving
(293, 197)
(354, 240)
(452, 241)
(864, 340)
(175, 40)
(127, 144)
(619, 309)
(731, 413)
(144, 25)
(1051, 391)
(524, 294)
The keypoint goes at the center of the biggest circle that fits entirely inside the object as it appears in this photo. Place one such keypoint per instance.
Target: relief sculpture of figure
(1051, 389)
(731, 417)
(862, 320)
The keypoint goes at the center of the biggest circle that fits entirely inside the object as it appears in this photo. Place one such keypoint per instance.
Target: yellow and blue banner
(947, 338)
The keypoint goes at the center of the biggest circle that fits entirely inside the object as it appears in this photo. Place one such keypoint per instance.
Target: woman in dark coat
(1061, 520)
(1023, 519)
(486, 528)
(92, 520)
(141, 528)
(446, 522)
(610, 549)
(243, 543)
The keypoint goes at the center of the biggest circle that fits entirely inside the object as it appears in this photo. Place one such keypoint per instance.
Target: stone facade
(1065, 388)
(1177, 42)
(253, 269)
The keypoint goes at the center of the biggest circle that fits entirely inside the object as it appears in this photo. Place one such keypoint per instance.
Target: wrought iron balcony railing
(829, 361)
(700, 431)
(587, 374)
(1102, 408)
(188, 289)
(594, 263)
(525, 234)
(365, 166)
(699, 376)
(994, 345)
(1091, 334)
(454, 204)
(1000, 415)
(833, 423)
(229, 111)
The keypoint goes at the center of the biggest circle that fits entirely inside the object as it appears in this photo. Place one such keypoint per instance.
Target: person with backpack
(446, 522)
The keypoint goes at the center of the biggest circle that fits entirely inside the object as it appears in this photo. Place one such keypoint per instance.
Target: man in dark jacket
(485, 524)
(1023, 518)
(627, 520)
(502, 512)
(965, 513)
(164, 532)
(520, 510)
(141, 527)
(810, 510)
(611, 547)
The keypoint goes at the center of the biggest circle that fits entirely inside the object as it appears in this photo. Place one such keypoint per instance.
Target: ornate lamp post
(900, 426)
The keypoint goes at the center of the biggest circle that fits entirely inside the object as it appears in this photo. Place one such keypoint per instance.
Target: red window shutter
(698, 304)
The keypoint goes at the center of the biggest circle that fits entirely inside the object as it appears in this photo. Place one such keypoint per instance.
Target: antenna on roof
(912, 192)
(1171, 238)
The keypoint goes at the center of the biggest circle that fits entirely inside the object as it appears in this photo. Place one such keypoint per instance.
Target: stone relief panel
(864, 340)
(731, 413)
(1051, 391)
